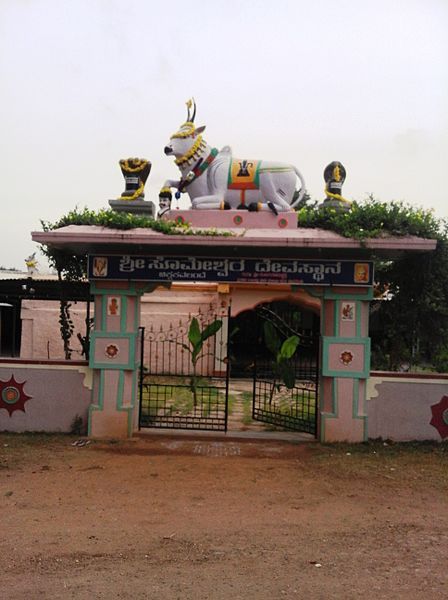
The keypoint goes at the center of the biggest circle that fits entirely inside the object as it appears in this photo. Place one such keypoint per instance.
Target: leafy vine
(411, 325)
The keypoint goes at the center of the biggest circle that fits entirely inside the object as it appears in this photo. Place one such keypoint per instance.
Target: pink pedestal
(231, 219)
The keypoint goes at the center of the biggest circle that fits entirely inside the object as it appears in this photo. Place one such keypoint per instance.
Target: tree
(409, 321)
(412, 325)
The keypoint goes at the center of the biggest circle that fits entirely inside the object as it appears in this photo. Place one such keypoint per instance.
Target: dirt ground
(175, 518)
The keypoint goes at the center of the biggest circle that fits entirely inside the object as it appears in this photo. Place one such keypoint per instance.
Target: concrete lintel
(94, 238)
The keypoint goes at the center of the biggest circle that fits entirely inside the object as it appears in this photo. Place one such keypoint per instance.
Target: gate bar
(317, 383)
(229, 310)
(141, 375)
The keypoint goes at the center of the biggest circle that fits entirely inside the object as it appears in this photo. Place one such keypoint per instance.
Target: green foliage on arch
(410, 326)
(74, 266)
(409, 319)
(372, 219)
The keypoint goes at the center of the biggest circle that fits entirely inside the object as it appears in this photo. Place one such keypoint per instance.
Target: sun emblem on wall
(346, 357)
(12, 396)
(440, 417)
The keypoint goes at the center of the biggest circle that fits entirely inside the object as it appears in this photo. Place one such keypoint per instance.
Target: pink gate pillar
(345, 364)
(114, 358)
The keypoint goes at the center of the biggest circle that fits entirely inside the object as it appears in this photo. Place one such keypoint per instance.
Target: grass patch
(247, 400)
(160, 399)
(296, 403)
(403, 463)
(231, 400)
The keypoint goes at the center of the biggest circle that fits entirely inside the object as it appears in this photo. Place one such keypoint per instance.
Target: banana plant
(197, 338)
(283, 351)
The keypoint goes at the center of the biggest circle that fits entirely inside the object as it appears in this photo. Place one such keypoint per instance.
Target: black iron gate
(184, 373)
(285, 390)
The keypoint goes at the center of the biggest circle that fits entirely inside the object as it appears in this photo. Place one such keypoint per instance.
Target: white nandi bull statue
(216, 180)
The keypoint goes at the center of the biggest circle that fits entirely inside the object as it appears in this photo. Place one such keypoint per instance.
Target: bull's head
(187, 140)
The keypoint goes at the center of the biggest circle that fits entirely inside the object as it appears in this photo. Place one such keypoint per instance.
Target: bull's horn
(190, 103)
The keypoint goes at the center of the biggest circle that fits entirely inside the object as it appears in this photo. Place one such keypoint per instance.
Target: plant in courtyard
(197, 338)
(283, 352)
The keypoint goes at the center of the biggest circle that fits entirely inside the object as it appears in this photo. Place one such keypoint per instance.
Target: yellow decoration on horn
(337, 173)
(185, 130)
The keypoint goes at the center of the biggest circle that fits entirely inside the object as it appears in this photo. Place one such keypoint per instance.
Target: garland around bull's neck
(197, 149)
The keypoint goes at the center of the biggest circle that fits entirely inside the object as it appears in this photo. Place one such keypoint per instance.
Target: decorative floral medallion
(346, 357)
(282, 223)
(440, 417)
(112, 351)
(12, 396)
(180, 220)
(237, 219)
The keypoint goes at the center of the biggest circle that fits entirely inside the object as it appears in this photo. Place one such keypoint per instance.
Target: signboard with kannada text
(231, 270)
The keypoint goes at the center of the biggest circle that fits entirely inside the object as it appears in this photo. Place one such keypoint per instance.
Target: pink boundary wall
(399, 405)
(41, 338)
(60, 392)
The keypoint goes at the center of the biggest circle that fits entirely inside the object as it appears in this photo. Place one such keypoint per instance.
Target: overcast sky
(87, 82)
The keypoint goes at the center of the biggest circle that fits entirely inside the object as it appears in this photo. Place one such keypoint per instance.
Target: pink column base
(109, 425)
(343, 426)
